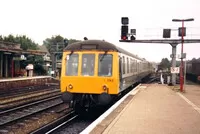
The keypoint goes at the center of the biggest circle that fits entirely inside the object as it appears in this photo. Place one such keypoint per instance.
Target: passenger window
(72, 65)
(88, 64)
(105, 65)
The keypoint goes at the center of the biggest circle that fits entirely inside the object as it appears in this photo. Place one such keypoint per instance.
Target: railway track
(57, 124)
(20, 91)
(24, 111)
(12, 102)
(74, 123)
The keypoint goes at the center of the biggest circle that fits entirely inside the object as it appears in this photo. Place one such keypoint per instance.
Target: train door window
(121, 65)
(88, 64)
(120, 68)
(105, 65)
(131, 66)
(123, 60)
(133, 62)
(72, 65)
(127, 65)
(135, 65)
(138, 67)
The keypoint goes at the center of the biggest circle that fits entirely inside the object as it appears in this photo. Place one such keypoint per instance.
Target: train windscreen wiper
(105, 53)
(71, 53)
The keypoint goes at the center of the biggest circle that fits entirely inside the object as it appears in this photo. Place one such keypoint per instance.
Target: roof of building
(44, 49)
(15, 48)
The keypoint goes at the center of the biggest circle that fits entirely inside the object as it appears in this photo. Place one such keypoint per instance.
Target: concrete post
(173, 62)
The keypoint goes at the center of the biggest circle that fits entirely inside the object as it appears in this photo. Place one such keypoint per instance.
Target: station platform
(154, 109)
(23, 78)
(20, 82)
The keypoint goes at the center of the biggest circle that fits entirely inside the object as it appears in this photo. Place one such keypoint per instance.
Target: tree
(57, 44)
(26, 43)
(51, 43)
(165, 64)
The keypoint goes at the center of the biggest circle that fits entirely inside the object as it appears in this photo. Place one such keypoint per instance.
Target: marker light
(70, 86)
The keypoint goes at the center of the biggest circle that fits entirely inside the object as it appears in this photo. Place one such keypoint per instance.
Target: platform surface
(157, 109)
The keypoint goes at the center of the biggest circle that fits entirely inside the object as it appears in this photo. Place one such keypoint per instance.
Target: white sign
(174, 70)
(183, 56)
(47, 64)
(52, 72)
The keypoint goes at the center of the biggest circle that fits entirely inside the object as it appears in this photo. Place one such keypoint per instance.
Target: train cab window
(105, 65)
(88, 64)
(72, 65)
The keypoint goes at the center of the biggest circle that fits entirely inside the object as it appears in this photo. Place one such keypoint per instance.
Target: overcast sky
(40, 19)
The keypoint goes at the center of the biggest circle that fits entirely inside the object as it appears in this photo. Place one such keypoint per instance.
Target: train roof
(98, 45)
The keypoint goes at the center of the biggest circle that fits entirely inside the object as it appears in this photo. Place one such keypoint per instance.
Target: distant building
(11, 55)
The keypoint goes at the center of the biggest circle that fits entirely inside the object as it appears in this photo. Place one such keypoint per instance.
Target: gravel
(75, 128)
(36, 121)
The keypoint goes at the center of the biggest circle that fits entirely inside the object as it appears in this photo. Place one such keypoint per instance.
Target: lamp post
(182, 34)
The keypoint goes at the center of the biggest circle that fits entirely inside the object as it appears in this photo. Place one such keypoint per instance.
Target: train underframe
(83, 102)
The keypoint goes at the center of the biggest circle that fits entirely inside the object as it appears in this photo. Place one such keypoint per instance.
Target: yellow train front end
(89, 77)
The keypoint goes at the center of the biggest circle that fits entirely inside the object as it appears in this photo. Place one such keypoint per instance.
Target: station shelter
(10, 57)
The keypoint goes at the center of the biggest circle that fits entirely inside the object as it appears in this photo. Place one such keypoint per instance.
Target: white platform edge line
(24, 78)
(104, 115)
(189, 102)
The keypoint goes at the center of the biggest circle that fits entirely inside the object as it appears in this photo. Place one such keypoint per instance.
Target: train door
(120, 72)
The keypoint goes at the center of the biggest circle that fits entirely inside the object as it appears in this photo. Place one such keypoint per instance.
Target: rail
(18, 113)
(55, 125)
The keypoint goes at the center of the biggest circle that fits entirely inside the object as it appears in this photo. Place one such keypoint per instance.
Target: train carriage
(94, 71)
(193, 71)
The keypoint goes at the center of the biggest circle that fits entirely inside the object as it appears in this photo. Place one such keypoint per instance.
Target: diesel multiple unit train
(95, 71)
